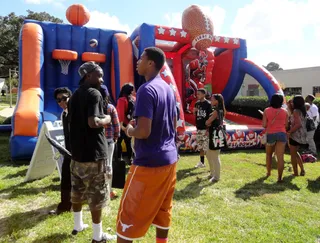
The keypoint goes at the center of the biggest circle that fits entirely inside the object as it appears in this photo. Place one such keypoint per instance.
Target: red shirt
(279, 116)
(122, 108)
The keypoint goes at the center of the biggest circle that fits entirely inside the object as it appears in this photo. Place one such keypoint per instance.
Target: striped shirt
(112, 129)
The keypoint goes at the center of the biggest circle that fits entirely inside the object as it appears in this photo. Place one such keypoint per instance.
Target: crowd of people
(94, 129)
(294, 125)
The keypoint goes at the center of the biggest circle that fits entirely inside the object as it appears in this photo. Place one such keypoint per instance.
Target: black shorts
(295, 143)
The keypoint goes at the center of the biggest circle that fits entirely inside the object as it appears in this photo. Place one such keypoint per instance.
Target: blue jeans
(273, 138)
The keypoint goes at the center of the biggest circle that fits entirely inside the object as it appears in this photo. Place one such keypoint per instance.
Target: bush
(249, 106)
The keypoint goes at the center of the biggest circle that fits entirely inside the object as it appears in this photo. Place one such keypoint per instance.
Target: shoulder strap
(275, 116)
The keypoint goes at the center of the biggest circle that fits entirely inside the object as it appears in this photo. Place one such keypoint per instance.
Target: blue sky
(284, 31)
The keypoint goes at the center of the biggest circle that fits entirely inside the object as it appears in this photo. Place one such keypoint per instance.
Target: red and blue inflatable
(226, 64)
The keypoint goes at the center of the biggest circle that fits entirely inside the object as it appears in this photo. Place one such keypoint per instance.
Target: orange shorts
(146, 199)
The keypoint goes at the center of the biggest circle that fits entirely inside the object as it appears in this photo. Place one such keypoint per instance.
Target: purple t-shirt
(156, 101)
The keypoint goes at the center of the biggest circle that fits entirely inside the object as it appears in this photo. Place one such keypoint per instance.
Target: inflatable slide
(50, 55)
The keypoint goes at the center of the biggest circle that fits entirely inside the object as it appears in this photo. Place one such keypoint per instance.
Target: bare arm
(264, 120)
(142, 130)
(96, 122)
(287, 121)
(297, 122)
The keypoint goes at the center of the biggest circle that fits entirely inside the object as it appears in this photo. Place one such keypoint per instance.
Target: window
(316, 91)
(292, 91)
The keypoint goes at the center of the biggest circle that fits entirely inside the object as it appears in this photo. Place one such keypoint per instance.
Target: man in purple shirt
(148, 193)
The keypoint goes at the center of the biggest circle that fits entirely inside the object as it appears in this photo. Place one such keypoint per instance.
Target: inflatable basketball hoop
(93, 57)
(64, 57)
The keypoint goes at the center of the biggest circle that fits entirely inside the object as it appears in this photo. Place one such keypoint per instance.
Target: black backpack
(310, 125)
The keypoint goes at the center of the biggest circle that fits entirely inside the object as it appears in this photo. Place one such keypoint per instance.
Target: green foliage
(244, 206)
(10, 26)
(251, 101)
(249, 106)
(317, 102)
(14, 82)
(273, 66)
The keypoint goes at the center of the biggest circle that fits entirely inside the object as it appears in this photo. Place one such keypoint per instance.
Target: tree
(10, 26)
(273, 66)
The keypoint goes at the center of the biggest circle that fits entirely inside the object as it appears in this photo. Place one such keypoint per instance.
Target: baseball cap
(87, 67)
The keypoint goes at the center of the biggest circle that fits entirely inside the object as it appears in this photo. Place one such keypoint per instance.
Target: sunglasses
(64, 98)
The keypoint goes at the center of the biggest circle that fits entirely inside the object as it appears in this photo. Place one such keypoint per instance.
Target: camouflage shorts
(90, 183)
(202, 139)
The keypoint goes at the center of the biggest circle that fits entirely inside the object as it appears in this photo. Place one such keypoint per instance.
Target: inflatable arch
(50, 55)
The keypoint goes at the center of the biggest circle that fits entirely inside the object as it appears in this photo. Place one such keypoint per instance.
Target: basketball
(77, 14)
(93, 43)
(199, 26)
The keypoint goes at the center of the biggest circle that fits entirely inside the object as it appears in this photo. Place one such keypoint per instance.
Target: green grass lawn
(243, 207)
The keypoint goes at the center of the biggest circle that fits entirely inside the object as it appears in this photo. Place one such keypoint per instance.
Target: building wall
(305, 79)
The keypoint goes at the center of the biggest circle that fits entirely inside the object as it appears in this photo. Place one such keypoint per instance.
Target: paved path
(7, 112)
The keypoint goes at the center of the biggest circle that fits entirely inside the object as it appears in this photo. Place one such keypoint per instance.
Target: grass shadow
(21, 221)
(18, 174)
(16, 191)
(191, 191)
(258, 188)
(54, 238)
(181, 174)
(314, 185)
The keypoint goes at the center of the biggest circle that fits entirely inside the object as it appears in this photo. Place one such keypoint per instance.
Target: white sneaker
(108, 237)
(200, 165)
(213, 180)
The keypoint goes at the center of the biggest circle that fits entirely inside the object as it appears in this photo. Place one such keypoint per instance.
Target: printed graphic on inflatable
(50, 55)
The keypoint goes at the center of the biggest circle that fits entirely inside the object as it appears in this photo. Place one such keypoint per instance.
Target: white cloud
(216, 13)
(295, 59)
(271, 21)
(56, 3)
(107, 21)
(277, 30)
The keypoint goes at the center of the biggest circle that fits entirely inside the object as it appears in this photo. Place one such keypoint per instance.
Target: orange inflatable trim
(26, 119)
(60, 54)
(125, 54)
(93, 57)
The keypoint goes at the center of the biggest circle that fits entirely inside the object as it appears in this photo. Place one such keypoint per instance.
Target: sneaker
(200, 165)
(76, 231)
(105, 237)
(213, 180)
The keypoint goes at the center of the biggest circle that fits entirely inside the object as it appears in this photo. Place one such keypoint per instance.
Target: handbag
(119, 171)
(264, 136)
(310, 124)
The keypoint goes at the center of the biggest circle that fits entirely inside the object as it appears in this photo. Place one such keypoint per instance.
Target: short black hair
(62, 90)
(156, 55)
(276, 101)
(202, 90)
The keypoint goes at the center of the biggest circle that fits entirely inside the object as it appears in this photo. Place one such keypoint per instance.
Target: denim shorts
(276, 137)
